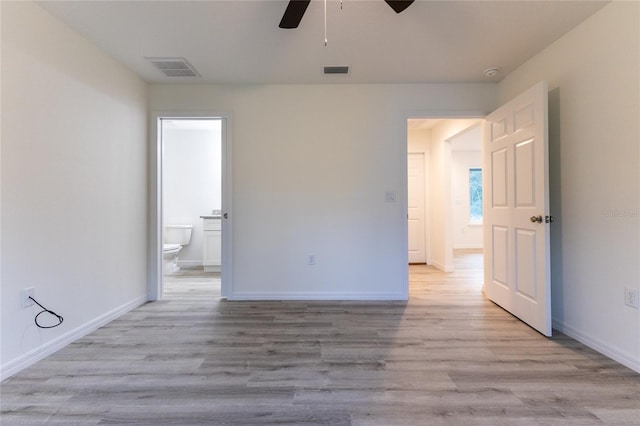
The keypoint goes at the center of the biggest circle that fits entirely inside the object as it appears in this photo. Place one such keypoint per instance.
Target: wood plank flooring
(447, 357)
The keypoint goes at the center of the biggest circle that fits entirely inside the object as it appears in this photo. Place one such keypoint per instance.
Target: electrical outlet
(631, 297)
(26, 293)
(311, 259)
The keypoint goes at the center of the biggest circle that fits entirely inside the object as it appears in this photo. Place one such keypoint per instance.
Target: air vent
(336, 70)
(174, 67)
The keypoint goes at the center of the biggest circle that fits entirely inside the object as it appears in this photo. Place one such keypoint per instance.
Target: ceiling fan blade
(399, 5)
(294, 13)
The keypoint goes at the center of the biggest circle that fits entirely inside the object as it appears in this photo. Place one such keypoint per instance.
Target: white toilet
(175, 237)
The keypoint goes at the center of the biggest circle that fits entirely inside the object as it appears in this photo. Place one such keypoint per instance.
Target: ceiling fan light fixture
(399, 5)
(293, 13)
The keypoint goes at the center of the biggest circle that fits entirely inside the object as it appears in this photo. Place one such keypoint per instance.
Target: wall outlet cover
(631, 297)
(24, 297)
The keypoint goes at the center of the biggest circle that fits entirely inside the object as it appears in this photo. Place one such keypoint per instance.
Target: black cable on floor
(45, 310)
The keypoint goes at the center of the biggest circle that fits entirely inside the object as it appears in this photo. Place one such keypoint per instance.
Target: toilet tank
(177, 234)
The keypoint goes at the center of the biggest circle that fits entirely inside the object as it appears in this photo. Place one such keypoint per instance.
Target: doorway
(451, 149)
(466, 189)
(191, 202)
(516, 218)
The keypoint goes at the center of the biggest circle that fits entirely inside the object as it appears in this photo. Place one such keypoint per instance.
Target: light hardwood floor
(448, 356)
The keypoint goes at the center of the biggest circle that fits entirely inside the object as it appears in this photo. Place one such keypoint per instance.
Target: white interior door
(416, 213)
(516, 208)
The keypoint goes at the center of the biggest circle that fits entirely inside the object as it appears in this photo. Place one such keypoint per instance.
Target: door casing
(154, 242)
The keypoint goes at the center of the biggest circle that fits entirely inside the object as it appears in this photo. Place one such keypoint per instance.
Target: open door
(516, 208)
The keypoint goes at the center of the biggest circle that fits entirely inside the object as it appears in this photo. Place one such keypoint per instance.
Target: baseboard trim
(318, 296)
(189, 263)
(596, 344)
(443, 268)
(16, 365)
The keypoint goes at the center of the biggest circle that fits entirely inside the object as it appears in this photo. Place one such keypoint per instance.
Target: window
(475, 195)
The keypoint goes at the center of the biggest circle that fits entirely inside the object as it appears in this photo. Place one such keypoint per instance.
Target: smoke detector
(174, 67)
(491, 72)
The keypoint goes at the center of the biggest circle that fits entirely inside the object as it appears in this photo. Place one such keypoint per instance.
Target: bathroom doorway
(191, 234)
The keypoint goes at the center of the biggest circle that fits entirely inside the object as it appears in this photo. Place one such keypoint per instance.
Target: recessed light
(491, 72)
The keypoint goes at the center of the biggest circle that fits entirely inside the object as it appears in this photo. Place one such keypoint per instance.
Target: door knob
(536, 219)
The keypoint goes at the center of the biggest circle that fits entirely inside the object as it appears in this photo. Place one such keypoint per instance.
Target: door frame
(154, 202)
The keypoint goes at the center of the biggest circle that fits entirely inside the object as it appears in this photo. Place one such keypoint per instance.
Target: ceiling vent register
(174, 67)
(336, 70)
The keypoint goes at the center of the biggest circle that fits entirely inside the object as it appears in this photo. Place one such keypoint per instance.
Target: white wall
(418, 140)
(73, 184)
(594, 161)
(191, 182)
(465, 234)
(311, 165)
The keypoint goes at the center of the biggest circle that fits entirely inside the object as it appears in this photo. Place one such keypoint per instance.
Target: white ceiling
(424, 123)
(468, 140)
(240, 42)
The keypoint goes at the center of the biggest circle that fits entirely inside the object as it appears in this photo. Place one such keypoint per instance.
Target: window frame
(472, 221)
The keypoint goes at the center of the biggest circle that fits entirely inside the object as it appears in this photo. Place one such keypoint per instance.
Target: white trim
(154, 208)
(403, 199)
(624, 358)
(467, 247)
(154, 243)
(18, 364)
(318, 296)
(189, 263)
(446, 114)
(226, 277)
(443, 268)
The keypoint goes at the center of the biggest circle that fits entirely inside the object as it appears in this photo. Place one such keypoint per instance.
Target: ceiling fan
(296, 8)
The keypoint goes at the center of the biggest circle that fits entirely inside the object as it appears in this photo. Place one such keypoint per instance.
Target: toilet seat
(170, 247)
